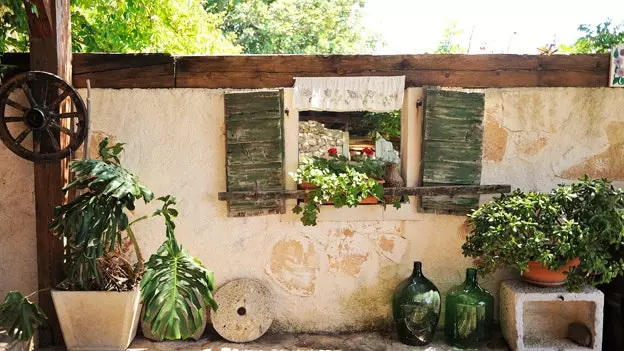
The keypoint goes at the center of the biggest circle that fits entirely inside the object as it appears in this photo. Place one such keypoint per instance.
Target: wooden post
(50, 51)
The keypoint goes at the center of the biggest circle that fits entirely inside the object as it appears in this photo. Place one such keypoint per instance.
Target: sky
(489, 26)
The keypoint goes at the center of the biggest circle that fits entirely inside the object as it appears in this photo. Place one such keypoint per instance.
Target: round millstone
(245, 310)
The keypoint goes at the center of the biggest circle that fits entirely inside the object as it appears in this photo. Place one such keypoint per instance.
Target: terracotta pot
(542, 276)
(97, 320)
(306, 186)
(369, 200)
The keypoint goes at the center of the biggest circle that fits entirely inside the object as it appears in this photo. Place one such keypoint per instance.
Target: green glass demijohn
(468, 314)
(416, 308)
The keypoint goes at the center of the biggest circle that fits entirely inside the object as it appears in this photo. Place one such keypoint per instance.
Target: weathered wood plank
(254, 153)
(347, 64)
(124, 70)
(416, 78)
(449, 190)
(240, 131)
(255, 150)
(273, 71)
(453, 140)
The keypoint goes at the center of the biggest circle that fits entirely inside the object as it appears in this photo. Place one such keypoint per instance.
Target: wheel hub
(35, 118)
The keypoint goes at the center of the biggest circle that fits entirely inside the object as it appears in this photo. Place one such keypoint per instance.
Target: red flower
(332, 152)
(368, 151)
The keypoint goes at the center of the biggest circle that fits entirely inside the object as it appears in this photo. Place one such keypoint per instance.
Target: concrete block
(535, 318)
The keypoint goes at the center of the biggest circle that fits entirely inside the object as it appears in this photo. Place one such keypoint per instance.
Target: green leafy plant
(172, 279)
(339, 181)
(584, 219)
(387, 124)
(598, 209)
(598, 39)
(95, 221)
(175, 286)
(19, 316)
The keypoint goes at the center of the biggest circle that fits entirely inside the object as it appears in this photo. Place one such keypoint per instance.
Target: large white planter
(97, 320)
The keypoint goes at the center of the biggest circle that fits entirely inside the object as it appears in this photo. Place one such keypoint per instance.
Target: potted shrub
(566, 237)
(339, 181)
(98, 304)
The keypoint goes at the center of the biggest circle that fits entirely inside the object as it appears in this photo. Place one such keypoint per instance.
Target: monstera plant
(176, 287)
(97, 233)
(19, 316)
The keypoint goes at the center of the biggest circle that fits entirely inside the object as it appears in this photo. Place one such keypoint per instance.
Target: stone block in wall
(315, 139)
(535, 318)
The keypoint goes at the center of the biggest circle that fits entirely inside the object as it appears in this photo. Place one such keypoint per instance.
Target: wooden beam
(124, 70)
(50, 51)
(410, 191)
(275, 71)
(473, 71)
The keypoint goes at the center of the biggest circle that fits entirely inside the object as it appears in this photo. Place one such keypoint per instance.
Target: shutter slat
(453, 138)
(254, 149)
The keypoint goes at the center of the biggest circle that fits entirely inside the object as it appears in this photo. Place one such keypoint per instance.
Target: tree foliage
(448, 43)
(596, 40)
(172, 26)
(296, 26)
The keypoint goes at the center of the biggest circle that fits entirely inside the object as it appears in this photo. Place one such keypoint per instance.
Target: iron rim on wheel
(40, 117)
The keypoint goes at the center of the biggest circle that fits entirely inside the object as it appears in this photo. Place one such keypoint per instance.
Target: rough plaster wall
(537, 138)
(18, 249)
(339, 275)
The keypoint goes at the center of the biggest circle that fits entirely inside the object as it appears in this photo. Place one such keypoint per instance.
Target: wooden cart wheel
(27, 122)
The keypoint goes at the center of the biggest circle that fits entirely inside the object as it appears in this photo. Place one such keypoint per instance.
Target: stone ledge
(364, 341)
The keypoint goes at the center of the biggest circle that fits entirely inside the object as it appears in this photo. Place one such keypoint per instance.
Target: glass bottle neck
(471, 277)
(417, 269)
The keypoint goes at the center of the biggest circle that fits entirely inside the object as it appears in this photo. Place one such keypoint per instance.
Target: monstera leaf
(94, 222)
(176, 287)
(19, 316)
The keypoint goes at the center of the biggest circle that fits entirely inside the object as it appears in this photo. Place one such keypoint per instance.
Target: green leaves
(19, 316)
(584, 219)
(93, 223)
(596, 40)
(338, 182)
(176, 288)
(295, 26)
(170, 26)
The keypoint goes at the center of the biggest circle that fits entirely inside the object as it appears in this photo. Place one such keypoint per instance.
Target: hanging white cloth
(375, 94)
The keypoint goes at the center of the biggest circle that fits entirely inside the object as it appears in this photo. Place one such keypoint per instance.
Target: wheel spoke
(45, 92)
(16, 105)
(22, 135)
(63, 129)
(70, 115)
(13, 119)
(58, 100)
(29, 95)
(55, 142)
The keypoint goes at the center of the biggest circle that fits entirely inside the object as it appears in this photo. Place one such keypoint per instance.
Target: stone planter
(97, 320)
(542, 276)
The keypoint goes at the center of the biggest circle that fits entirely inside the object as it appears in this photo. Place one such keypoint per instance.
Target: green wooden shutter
(453, 136)
(255, 149)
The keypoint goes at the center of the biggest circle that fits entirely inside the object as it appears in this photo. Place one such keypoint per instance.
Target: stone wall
(315, 139)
